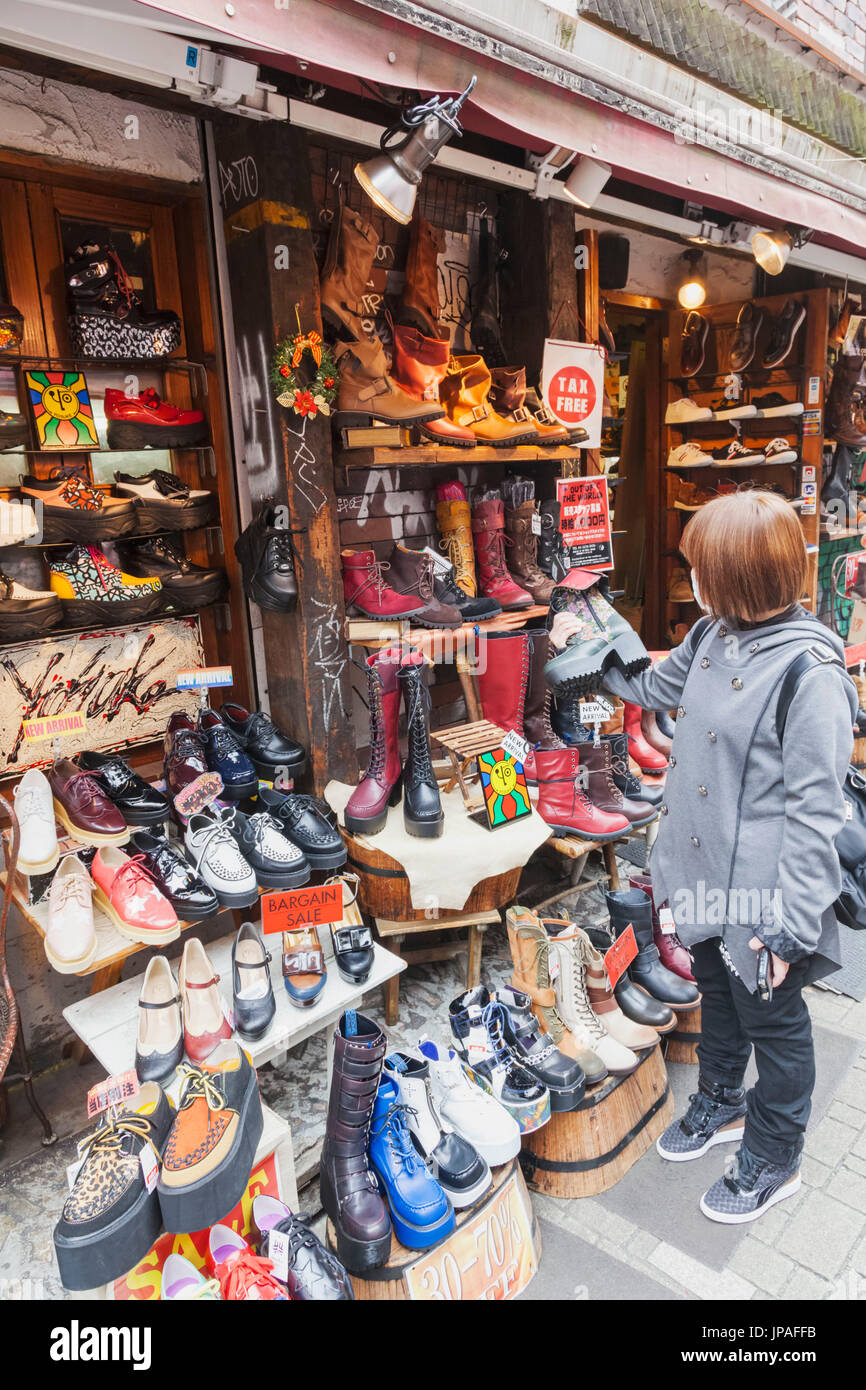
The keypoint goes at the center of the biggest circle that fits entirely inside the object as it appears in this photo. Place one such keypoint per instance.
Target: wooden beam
(267, 208)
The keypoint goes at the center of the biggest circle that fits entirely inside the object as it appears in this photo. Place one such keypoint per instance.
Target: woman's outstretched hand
(564, 625)
(780, 967)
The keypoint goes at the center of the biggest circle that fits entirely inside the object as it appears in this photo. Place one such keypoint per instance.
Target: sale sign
(304, 907)
(620, 955)
(585, 521)
(489, 1258)
(572, 384)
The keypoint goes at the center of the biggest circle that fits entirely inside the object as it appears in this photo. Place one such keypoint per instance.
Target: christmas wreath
(294, 388)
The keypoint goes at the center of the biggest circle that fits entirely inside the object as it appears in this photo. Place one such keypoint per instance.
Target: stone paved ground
(645, 1239)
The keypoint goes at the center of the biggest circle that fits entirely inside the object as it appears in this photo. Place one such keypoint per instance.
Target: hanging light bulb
(772, 249)
(391, 178)
(693, 287)
(586, 180)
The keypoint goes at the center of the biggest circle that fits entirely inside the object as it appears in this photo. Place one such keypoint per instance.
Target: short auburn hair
(748, 553)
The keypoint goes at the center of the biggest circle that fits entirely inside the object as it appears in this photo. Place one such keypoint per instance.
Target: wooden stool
(394, 933)
(585, 1151)
(492, 1253)
(464, 743)
(681, 1044)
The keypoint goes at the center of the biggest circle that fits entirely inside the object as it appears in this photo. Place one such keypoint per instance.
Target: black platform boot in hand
(633, 905)
(349, 1191)
(422, 809)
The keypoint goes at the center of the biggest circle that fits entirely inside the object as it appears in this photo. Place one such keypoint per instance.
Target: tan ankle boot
(367, 393)
(529, 945)
(454, 520)
(346, 272)
(464, 392)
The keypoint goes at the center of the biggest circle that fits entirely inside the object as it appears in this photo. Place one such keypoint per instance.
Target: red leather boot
(494, 581)
(364, 587)
(672, 952)
(381, 785)
(503, 671)
(419, 365)
(647, 758)
(564, 803)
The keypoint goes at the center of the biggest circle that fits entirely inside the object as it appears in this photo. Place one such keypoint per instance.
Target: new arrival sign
(572, 382)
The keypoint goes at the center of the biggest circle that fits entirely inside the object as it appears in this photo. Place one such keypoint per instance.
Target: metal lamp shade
(771, 250)
(586, 180)
(390, 190)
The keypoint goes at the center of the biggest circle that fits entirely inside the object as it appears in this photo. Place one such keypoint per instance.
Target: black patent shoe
(352, 938)
(138, 802)
(185, 585)
(254, 1002)
(302, 821)
(312, 1273)
(268, 748)
(562, 1075)
(175, 877)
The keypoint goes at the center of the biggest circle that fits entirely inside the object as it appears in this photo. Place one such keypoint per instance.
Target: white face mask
(697, 593)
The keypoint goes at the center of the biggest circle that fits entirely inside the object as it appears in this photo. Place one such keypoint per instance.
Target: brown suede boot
(367, 393)
(419, 303)
(454, 520)
(411, 574)
(530, 948)
(614, 724)
(464, 392)
(346, 272)
(523, 560)
(508, 396)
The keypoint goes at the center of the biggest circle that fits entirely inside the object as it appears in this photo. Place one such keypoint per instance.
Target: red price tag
(620, 955)
(113, 1091)
(305, 907)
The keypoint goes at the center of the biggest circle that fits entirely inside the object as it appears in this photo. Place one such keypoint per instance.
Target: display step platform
(108, 1022)
(582, 1152)
(492, 1254)
(681, 1044)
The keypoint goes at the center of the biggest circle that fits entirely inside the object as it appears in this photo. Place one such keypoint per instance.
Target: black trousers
(733, 1021)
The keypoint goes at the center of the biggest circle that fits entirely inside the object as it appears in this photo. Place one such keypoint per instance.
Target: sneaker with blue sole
(750, 1186)
(716, 1115)
(421, 1212)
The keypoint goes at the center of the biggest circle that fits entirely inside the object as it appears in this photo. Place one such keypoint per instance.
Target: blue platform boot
(421, 1213)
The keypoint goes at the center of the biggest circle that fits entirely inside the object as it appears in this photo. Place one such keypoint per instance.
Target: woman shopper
(745, 854)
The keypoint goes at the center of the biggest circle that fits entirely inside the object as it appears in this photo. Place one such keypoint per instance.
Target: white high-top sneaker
(34, 807)
(575, 1009)
(467, 1109)
(454, 1162)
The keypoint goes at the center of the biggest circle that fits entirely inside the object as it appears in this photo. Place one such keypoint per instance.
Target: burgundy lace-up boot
(380, 786)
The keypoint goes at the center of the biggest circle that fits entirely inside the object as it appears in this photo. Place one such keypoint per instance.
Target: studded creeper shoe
(749, 1188)
(715, 1116)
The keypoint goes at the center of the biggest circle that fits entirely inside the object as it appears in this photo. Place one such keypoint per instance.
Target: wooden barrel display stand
(585, 1151)
(681, 1044)
(384, 887)
(492, 1253)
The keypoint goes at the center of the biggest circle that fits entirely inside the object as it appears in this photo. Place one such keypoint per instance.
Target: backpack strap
(808, 660)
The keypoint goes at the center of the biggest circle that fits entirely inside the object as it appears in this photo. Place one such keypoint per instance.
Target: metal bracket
(546, 167)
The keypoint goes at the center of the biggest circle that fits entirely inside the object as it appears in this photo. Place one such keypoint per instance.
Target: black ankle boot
(635, 1003)
(552, 556)
(565, 718)
(623, 777)
(106, 316)
(422, 809)
(633, 905)
(267, 559)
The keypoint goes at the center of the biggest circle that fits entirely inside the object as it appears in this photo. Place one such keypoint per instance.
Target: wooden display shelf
(108, 1024)
(582, 1152)
(495, 1268)
(446, 455)
(366, 632)
(681, 1044)
(385, 891)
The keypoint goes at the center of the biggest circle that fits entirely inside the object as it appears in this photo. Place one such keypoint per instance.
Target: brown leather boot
(367, 393)
(454, 520)
(508, 397)
(523, 560)
(419, 303)
(464, 393)
(488, 532)
(346, 272)
(529, 945)
(411, 574)
(543, 415)
(349, 1191)
(419, 365)
(602, 789)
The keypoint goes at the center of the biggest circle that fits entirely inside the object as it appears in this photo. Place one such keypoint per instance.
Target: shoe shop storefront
(357, 387)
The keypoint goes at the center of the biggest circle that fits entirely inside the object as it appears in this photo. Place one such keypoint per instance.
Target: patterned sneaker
(479, 1041)
(715, 1116)
(93, 591)
(74, 510)
(750, 1187)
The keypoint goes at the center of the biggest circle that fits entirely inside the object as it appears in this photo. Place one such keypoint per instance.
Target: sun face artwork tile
(62, 413)
(503, 783)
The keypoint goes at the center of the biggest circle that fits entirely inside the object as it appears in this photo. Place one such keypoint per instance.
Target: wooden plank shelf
(365, 632)
(447, 455)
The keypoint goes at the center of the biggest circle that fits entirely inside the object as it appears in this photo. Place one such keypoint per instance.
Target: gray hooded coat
(746, 842)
